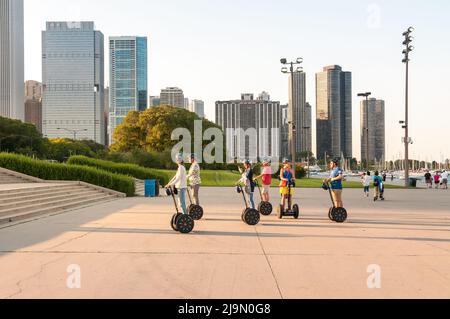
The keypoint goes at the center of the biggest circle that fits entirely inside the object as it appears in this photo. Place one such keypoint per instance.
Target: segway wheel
(296, 211)
(252, 217)
(339, 215)
(280, 212)
(196, 212)
(173, 222)
(243, 214)
(265, 208)
(330, 214)
(185, 224)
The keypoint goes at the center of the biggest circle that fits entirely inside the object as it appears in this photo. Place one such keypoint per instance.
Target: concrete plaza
(126, 249)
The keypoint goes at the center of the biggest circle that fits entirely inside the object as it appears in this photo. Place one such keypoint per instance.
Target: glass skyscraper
(12, 59)
(128, 78)
(334, 112)
(73, 81)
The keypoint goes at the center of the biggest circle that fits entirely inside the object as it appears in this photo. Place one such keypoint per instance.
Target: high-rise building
(128, 78)
(12, 59)
(198, 107)
(373, 119)
(264, 117)
(264, 96)
(284, 131)
(307, 129)
(33, 90)
(106, 113)
(173, 96)
(186, 103)
(154, 101)
(73, 81)
(334, 112)
(297, 98)
(33, 103)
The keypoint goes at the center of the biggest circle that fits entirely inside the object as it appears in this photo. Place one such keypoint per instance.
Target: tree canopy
(151, 130)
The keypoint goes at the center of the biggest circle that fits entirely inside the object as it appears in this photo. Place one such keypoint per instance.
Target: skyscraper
(12, 59)
(376, 126)
(264, 117)
(154, 101)
(128, 78)
(173, 96)
(297, 98)
(33, 103)
(198, 107)
(73, 81)
(307, 129)
(334, 112)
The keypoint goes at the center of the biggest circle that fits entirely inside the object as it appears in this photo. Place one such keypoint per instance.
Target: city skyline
(368, 44)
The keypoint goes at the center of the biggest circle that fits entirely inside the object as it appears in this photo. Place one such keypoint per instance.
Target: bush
(51, 171)
(119, 168)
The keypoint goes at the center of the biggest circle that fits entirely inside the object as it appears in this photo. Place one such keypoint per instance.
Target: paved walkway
(126, 249)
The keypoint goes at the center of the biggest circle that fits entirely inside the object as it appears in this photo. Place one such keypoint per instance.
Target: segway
(180, 222)
(265, 208)
(335, 214)
(292, 210)
(249, 216)
(195, 211)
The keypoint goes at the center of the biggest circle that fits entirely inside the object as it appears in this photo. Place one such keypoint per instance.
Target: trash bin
(413, 182)
(151, 188)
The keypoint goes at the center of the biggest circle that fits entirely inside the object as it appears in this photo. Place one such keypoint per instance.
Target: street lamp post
(291, 70)
(366, 128)
(408, 48)
(74, 132)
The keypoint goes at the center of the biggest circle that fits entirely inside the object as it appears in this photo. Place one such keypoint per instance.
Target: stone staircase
(140, 187)
(6, 177)
(29, 201)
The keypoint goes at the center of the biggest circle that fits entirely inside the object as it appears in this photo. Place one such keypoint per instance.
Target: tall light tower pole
(408, 48)
(292, 125)
(366, 128)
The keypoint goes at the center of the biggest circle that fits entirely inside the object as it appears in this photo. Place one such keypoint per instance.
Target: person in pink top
(266, 177)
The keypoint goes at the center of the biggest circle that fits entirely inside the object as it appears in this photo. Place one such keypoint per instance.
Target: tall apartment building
(260, 116)
(284, 152)
(172, 96)
(307, 129)
(154, 101)
(33, 104)
(297, 98)
(373, 119)
(128, 78)
(12, 59)
(73, 81)
(198, 107)
(334, 112)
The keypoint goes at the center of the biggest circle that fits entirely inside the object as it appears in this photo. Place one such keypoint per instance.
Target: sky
(216, 50)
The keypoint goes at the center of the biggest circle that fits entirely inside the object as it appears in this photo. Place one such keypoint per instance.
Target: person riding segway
(265, 207)
(250, 215)
(287, 186)
(181, 221)
(333, 184)
(194, 209)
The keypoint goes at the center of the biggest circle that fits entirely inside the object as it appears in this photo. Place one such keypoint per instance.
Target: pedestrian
(179, 181)
(335, 179)
(287, 178)
(366, 183)
(247, 180)
(437, 179)
(444, 177)
(266, 178)
(194, 178)
(428, 179)
(392, 177)
(384, 176)
(378, 187)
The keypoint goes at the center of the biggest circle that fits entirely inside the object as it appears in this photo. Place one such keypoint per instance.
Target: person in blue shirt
(378, 187)
(336, 177)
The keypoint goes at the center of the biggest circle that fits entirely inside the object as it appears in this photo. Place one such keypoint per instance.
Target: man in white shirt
(365, 179)
(180, 183)
(444, 177)
(194, 178)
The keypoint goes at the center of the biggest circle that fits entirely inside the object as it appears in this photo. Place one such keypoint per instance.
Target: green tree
(151, 130)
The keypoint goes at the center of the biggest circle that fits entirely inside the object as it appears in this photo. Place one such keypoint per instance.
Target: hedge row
(50, 171)
(120, 168)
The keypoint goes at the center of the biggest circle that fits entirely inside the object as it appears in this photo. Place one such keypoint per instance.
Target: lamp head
(283, 61)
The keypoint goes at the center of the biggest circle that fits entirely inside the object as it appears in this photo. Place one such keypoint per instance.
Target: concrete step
(57, 209)
(49, 204)
(42, 199)
(38, 195)
(10, 179)
(36, 190)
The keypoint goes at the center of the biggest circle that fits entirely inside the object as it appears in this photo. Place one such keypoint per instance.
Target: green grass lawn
(229, 179)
